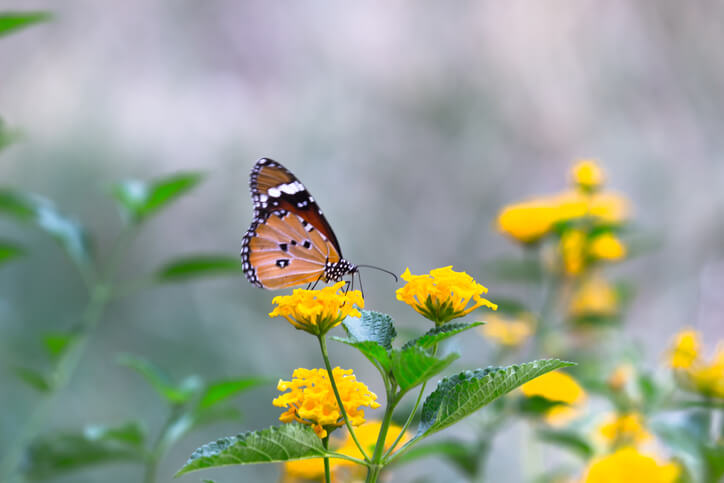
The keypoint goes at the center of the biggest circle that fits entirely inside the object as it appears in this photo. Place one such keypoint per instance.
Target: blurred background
(411, 123)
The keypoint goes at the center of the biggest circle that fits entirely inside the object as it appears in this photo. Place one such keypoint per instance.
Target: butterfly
(289, 241)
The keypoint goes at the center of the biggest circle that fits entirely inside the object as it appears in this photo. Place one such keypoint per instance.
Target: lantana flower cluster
(317, 311)
(693, 372)
(311, 399)
(443, 294)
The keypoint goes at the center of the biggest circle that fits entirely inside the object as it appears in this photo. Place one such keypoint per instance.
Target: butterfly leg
(361, 288)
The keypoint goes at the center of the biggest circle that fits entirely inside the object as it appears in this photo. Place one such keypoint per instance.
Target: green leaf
(140, 199)
(33, 378)
(460, 395)
(67, 451)
(56, 343)
(159, 380)
(374, 352)
(222, 390)
(372, 326)
(567, 439)
(536, 405)
(9, 250)
(7, 136)
(199, 266)
(280, 443)
(438, 334)
(41, 212)
(11, 21)
(413, 366)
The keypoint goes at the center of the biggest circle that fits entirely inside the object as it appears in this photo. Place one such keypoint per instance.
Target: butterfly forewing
(289, 241)
(274, 188)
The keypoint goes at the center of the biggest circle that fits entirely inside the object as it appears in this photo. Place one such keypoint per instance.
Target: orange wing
(284, 251)
(274, 189)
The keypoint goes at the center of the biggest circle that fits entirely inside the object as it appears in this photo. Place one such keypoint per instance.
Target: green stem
(327, 473)
(161, 445)
(376, 467)
(411, 416)
(325, 356)
(100, 295)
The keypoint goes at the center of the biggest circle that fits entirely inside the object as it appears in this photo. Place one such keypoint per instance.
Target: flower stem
(374, 470)
(327, 473)
(325, 356)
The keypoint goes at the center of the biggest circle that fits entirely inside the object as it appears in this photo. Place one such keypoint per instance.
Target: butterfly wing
(275, 189)
(289, 241)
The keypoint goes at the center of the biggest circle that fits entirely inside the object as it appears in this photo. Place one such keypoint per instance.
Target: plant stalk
(325, 356)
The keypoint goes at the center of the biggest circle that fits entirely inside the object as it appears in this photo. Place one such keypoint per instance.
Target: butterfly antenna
(381, 270)
(361, 288)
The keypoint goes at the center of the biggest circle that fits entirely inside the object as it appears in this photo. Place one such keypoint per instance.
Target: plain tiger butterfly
(289, 241)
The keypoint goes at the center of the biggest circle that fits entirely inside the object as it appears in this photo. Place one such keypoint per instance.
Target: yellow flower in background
(627, 465)
(529, 221)
(594, 297)
(620, 377)
(708, 379)
(443, 294)
(610, 207)
(508, 330)
(557, 387)
(367, 436)
(311, 400)
(686, 349)
(588, 174)
(311, 469)
(607, 247)
(317, 311)
(624, 429)
(572, 249)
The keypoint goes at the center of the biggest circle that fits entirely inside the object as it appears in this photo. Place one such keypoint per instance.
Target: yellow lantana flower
(311, 399)
(560, 388)
(620, 376)
(624, 430)
(686, 349)
(572, 249)
(628, 465)
(311, 469)
(317, 311)
(708, 379)
(508, 331)
(607, 247)
(529, 221)
(594, 297)
(443, 294)
(367, 435)
(588, 174)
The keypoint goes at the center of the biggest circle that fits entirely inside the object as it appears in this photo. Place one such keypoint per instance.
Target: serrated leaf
(42, 212)
(9, 250)
(56, 343)
(12, 21)
(33, 378)
(67, 451)
(460, 395)
(413, 366)
(159, 380)
(222, 390)
(374, 352)
(140, 199)
(199, 266)
(373, 326)
(567, 439)
(439, 334)
(279, 443)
